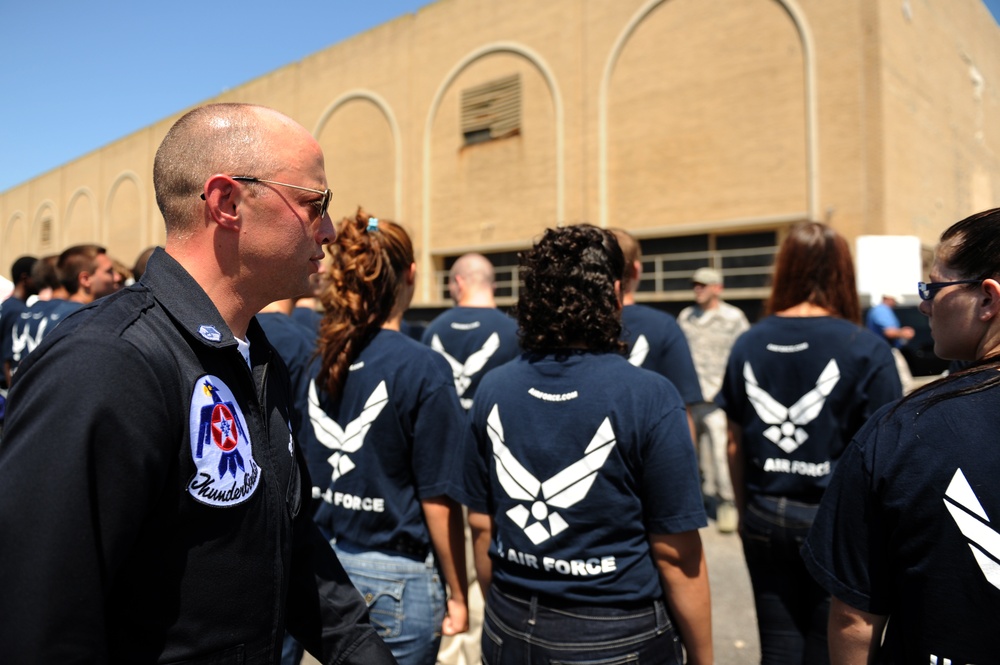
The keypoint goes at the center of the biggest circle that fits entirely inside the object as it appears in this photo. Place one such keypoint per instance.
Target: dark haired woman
(581, 481)
(798, 385)
(386, 407)
(907, 531)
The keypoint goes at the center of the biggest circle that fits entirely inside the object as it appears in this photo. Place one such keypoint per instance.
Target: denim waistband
(399, 546)
(782, 503)
(556, 603)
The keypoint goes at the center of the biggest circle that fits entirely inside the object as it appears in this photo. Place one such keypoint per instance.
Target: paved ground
(734, 622)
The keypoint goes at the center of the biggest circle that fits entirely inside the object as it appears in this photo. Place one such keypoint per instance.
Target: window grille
(492, 110)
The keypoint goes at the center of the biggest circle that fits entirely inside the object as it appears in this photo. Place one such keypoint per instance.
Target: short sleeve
(438, 434)
(732, 392)
(671, 488)
(845, 550)
(679, 367)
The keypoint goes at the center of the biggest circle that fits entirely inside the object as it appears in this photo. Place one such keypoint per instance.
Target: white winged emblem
(23, 343)
(968, 513)
(637, 356)
(786, 431)
(349, 439)
(563, 490)
(463, 373)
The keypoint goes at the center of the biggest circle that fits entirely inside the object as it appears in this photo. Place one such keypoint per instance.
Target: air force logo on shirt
(227, 473)
(346, 440)
(637, 356)
(23, 342)
(563, 490)
(463, 373)
(968, 513)
(787, 421)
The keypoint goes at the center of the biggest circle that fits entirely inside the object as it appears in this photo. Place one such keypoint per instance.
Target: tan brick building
(705, 127)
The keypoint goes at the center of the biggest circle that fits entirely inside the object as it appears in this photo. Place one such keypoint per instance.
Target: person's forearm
(684, 575)
(854, 635)
(482, 533)
(444, 522)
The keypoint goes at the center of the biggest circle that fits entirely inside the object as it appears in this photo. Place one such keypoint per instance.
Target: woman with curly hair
(581, 480)
(906, 534)
(798, 385)
(385, 406)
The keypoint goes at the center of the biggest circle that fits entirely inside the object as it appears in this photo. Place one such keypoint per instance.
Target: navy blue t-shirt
(800, 387)
(293, 342)
(308, 318)
(578, 459)
(32, 325)
(393, 439)
(10, 310)
(656, 342)
(908, 527)
(297, 345)
(473, 340)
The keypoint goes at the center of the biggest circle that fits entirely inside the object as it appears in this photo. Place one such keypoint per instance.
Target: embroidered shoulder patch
(227, 473)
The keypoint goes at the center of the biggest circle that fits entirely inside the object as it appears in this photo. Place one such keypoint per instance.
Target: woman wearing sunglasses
(907, 532)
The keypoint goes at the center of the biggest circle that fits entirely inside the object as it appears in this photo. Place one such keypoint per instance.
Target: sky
(78, 74)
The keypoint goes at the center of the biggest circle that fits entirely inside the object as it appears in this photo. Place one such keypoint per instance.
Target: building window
(745, 259)
(492, 110)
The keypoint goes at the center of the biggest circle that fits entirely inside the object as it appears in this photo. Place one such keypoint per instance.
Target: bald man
(474, 336)
(148, 470)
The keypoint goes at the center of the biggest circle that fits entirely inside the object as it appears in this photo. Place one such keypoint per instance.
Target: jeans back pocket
(384, 596)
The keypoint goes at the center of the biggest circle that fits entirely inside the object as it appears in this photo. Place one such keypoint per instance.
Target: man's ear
(222, 200)
(989, 300)
(411, 274)
(83, 280)
(456, 286)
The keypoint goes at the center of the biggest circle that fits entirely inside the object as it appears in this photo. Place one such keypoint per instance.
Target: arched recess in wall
(15, 239)
(44, 233)
(81, 225)
(718, 110)
(125, 229)
(362, 143)
(498, 183)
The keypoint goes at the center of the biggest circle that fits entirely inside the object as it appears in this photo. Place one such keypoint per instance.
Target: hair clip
(372, 224)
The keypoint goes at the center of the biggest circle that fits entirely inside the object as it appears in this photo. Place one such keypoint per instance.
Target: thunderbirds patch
(227, 473)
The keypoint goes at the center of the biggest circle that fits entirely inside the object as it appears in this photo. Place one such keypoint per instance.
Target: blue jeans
(792, 609)
(291, 651)
(405, 599)
(519, 631)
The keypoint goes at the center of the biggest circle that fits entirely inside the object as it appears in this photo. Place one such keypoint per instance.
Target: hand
(456, 618)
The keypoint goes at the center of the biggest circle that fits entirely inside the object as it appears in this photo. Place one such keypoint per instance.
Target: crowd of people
(240, 450)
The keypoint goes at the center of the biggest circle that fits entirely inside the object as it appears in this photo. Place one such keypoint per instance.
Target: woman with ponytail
(385, 406)
(907, 531)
